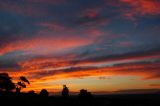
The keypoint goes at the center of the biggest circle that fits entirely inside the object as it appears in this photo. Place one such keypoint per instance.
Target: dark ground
(103, 100)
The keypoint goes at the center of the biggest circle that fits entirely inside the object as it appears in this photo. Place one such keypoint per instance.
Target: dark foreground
(103, 100)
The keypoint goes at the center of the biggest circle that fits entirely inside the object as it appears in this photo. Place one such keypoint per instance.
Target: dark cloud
(144, 69)
(14, 28)
(90, 57)
(53, 72)
(10, 66)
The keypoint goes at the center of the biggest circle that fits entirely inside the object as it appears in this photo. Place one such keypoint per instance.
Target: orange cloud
(62, 65)
(144, 71)
(47, 72)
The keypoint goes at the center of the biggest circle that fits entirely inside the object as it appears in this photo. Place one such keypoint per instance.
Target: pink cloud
(54, 27)
(94, 32)
(91, 12)
(92, 16)
(140, 7)
(46, 45)
(54, 42)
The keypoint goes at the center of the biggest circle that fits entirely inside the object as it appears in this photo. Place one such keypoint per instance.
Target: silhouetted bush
(31, 93)
(44, 93)
(84, 94)
(65, 91)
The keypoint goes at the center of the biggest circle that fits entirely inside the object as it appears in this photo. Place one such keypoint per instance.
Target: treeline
(8, 87)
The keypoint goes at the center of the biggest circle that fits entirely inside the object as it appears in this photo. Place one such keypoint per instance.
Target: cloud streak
(142, 7)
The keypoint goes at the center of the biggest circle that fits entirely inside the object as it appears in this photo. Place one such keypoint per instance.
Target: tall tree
(6, 83)
(65, 91)
(22, 83)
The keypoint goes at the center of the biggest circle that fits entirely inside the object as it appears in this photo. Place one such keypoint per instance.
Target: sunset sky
(98, 45)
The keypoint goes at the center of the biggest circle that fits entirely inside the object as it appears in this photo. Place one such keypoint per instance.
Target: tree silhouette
(24, 79)
(84, 94)
(32, 93)
(65, 91)
(6, 83)
(44, 93)
(22, 84)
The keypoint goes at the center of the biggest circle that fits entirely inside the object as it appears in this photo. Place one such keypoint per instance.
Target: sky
(99, 45)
